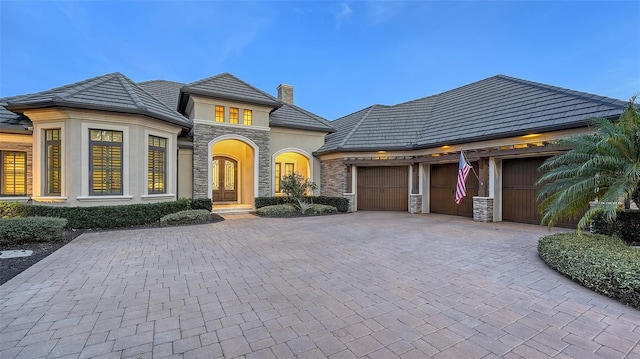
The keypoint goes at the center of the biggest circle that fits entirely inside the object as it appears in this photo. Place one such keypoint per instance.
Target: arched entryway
(233, 170)
(289, 161)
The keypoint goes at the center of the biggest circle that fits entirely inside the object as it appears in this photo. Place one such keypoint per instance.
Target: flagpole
(473, 169)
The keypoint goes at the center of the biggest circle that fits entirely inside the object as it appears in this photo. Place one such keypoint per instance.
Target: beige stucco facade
(75, 126)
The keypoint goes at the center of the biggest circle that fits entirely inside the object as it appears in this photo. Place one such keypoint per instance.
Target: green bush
(279, 210)
(12, 210)
(341, 204)
(627, 226)
(602, 263)
(321, 209)
(201, 203)
(31, 229)
(191, 216)
(111, 216)
(600, 226)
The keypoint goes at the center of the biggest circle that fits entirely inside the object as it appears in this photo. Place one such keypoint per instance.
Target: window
(233, 115)
(219, 113)
(288, 169)
(278, 176)
(247, 117)
(13, 173)
(52, 158)
(105, 162)
(157, 164)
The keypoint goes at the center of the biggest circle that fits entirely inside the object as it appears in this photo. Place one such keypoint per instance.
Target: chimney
(285, 93)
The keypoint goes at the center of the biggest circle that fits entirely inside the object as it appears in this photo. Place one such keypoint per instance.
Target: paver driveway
(378, 285)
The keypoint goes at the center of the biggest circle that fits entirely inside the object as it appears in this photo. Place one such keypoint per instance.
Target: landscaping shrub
(602, 263)
(111, 216)
(201, 203)
(31, 229)
(192, 216)
(279, 210)
(321, 209)
(627, 226)
(12, 210)
(600, 226)
(341, 204)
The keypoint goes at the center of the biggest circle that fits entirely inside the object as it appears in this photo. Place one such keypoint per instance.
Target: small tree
(604, 165)
(296, 186)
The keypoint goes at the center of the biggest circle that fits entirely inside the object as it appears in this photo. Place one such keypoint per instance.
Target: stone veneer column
(483, 209)
(203, 134)
(333, 178)
(415, 203)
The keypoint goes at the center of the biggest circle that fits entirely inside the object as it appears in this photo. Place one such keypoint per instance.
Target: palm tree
(602, 166)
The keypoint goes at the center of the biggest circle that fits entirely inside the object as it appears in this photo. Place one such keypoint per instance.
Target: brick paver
(367, 284)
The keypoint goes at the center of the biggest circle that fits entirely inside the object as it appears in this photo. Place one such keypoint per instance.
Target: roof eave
(62, 103)
(192, 91)
(308, 128)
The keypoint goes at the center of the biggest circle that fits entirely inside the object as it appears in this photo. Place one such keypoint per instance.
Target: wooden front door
(224, 177)
(383, 188)
(442, 191)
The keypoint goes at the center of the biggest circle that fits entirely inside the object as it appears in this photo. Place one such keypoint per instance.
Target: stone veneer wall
(23, 147)
(415, 203)
(333, 178)
(203, 134)
(483, 209)
(352, 202)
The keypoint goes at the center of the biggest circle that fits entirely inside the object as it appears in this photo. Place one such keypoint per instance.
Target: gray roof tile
(112, 92)
(292, 116)
(167, 92)
(226, 86)
(496, 107)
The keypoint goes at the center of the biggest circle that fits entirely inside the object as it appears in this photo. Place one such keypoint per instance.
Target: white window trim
(40, 165)
(85, 127)
(169, 168)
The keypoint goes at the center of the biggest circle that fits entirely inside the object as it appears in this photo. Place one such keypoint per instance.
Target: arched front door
(224, 177)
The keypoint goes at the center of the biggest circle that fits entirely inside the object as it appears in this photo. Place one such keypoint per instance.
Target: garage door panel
(383, 188)
(442, 190)
(519, 193)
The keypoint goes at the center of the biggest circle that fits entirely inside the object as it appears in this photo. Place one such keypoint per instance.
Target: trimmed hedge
(278, 210)
(601, 263)
(627, 226)
(31, 229)
(321, 209)
(111, 216)
(340, 203)
(192, 216)
(201, 203)
(12, 210)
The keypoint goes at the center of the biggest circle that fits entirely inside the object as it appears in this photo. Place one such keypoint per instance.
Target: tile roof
(228, 87)
(167, 92)
(292, 116)
(497, 107)
(112, 92)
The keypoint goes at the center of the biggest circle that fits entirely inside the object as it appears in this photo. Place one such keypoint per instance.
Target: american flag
(463, 172)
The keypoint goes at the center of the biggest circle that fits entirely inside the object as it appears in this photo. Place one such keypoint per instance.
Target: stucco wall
(75, 126)
(204, 109)
(185, 172)
(300, 141)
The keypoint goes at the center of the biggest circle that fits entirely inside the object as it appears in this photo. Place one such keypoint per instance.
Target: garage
(519, 192)
(383, 188)
(442, 190)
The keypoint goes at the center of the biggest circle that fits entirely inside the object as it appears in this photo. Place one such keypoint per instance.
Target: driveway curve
(361, 285)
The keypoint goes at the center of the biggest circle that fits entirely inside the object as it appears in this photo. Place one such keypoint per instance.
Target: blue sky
(340, 56)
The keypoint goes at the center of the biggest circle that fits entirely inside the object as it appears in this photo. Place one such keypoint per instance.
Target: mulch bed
(11, 267)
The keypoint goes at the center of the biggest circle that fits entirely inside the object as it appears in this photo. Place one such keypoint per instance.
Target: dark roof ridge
(126, 83)
(160, 80)
(348, 136)
(236, 78)
(582, 95)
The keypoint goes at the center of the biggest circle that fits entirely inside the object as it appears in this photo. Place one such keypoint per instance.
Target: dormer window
(219, 113)
(247, 117)
(233, 115)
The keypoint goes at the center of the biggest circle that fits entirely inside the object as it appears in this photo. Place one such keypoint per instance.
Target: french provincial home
(110, 141)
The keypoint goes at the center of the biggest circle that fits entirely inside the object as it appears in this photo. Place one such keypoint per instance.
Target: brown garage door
(519, 191)
(383, 188)
(442, 191)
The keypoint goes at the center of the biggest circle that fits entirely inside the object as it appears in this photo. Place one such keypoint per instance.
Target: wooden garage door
(383, 188)
(442, 191)
(519, 191)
